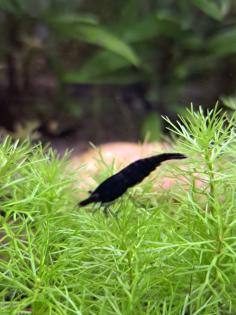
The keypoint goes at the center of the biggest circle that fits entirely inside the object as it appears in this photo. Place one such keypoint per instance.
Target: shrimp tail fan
(154, 161)
(137, 171)
(168, 156)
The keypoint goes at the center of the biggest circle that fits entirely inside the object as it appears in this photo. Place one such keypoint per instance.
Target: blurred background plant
(107, 70)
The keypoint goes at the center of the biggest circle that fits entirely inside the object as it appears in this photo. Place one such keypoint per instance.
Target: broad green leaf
(144, 30)
(192, 65)
(103, 63)
(105, 39)
(96, 35)
(74, 19)
(224, 43)
(229, 101)
(8, 6)
(120, 77)
(154, 25)
(210, 8)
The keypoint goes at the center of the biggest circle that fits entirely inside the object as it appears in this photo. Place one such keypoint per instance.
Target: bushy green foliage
(161, 252)
(36, 206)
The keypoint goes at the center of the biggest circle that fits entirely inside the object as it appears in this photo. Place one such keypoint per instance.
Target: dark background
(79, 71)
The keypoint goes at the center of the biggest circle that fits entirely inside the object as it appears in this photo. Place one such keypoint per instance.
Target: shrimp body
(116, 185)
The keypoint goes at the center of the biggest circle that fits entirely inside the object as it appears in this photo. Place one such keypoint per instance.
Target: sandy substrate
(112, 157)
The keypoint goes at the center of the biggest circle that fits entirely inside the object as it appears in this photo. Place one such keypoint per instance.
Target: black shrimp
(116, 185)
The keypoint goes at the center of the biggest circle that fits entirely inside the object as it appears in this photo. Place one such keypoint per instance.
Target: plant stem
(210, 167)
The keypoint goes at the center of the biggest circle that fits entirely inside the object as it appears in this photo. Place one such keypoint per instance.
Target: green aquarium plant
(162, 252)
